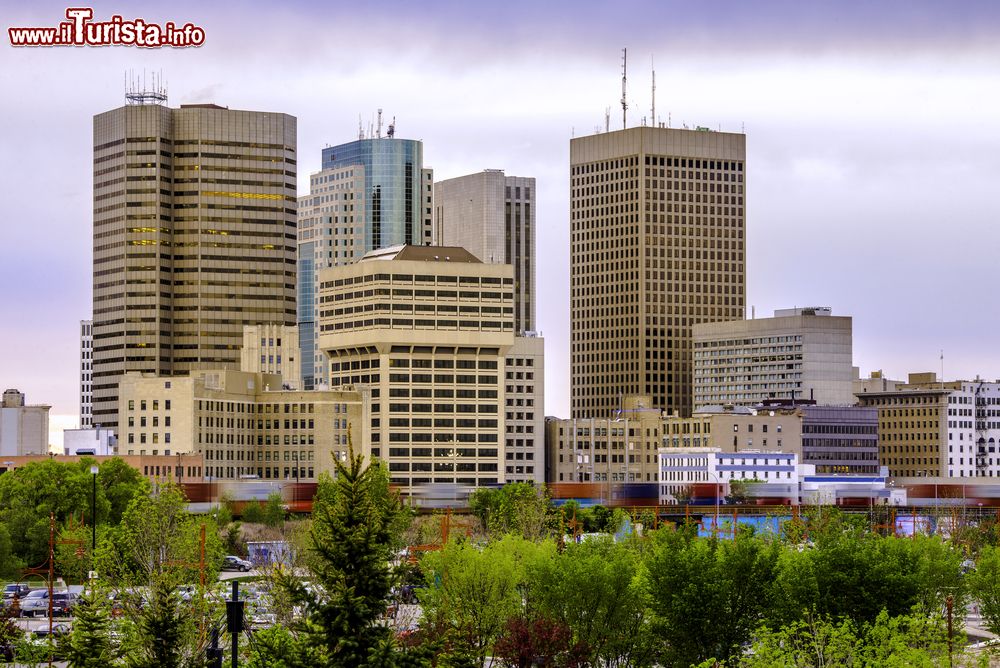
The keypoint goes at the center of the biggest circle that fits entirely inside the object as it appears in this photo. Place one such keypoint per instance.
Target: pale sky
(872, 135)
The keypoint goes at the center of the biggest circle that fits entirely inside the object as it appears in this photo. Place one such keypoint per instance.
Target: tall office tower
(493, 217)
(194, 237)
(86, 373)
(371, 193)
(657, 245)
(428, 331)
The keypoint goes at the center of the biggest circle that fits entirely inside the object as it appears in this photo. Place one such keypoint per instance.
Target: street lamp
(718, 491)
(93, 515)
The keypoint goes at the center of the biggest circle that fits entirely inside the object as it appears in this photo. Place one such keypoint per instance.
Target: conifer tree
(89, 643)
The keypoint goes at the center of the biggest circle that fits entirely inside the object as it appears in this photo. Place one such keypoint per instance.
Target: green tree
(165, 633)
(984, 586)
(89, 643)
(708, 595)
(273, 512)
(471, 593)
(593, 590)
(354, 517)
(159, 539)
(517, 507)
(120, 484)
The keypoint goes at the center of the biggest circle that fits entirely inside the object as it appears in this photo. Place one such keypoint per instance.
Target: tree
(120, 484)
(593, 591)
(707, 596)
(354, 517)
(163, 635)
(539, 641)
(273, 512)
(984, 586)
(517, 507)
(472, 593)
(89, 643)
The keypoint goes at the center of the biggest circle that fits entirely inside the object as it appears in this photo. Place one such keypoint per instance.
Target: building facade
(24, 429)
(194, 237)
(86, 373)
(273, 349)
(834, 440)
(619, 449)
(657, 221)
(242, 424)
(524, 377)
(929, 428)
(492, 216)
(428, 330)
(799, 354)
(371, 193)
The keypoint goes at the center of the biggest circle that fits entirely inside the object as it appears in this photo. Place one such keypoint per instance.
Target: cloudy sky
(872, 137)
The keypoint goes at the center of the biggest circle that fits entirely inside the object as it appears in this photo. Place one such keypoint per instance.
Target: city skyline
(868, 144)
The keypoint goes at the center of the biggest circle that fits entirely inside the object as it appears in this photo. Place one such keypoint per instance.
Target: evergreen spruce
(89, 643)
(354, 520)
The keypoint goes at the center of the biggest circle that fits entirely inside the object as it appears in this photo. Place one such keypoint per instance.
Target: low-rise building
(93, 441)
(243, 423)
(179, 468)
(24, 429)
(932, 428)
(620, 449)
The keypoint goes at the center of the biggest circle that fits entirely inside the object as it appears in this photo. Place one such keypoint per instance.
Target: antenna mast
(624, 73)
(607, 119)
(378, 132)
(653, 66)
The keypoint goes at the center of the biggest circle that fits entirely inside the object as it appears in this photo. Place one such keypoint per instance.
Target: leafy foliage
(89, 643)
(519, 508)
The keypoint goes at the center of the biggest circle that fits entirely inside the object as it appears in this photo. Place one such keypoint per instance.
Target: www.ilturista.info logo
(80, 30)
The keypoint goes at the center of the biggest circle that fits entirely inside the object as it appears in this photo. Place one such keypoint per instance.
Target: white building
(800, 353)
(525, 423)
(86, 373)
(98, 441)
(705, 475)
(24, 430)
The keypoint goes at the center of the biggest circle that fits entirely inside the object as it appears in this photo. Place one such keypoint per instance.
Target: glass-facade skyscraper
(371, 193)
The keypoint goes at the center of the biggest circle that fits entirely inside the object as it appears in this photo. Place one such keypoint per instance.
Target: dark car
(232, 563)
(63, 603)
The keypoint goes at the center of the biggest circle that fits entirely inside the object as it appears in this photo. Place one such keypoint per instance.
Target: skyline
(870, 126)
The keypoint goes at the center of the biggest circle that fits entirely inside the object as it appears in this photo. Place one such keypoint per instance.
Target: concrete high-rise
(492, 216)
(429, 330)
(194, 237)
(657, 220)
(800, 353)
(86, 373)
(370, 193)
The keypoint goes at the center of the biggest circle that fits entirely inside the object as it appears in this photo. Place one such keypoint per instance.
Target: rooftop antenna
(136, 91)
(624, 75)
(607, 119)
(361, 129)
(378, 132)
(391, 132)
(653, 110)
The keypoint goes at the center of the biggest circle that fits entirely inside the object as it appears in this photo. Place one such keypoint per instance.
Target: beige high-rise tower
(194, 237)
(657, 220)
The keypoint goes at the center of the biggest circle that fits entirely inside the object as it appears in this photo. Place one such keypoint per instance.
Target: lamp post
(93, 515)
(718, 491)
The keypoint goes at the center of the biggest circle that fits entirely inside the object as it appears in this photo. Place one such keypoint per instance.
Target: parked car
(18, 590)
(36, 602)
(233, 563)
(63, 603)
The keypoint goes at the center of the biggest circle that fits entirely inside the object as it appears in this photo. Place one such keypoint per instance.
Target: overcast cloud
(872, 136)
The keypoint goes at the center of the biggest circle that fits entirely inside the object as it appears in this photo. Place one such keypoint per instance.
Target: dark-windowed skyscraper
(657, 245)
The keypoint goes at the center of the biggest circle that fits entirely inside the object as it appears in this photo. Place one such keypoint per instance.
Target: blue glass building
(392, 172)
(371, 193)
